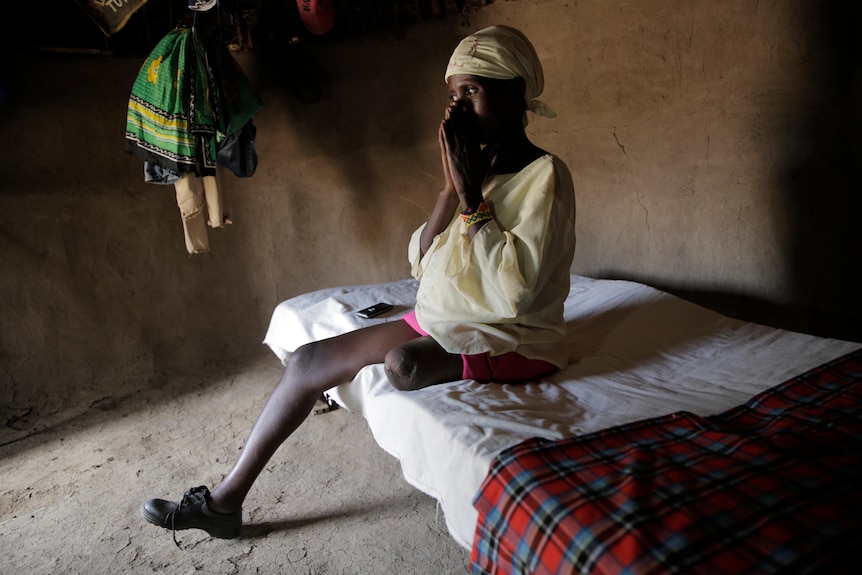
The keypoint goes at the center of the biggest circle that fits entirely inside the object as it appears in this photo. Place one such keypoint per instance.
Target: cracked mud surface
(330, 501)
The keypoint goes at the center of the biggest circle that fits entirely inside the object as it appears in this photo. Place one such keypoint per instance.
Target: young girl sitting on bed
(493, 262)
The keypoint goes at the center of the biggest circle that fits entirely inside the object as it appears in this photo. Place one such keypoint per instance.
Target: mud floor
(331, 501)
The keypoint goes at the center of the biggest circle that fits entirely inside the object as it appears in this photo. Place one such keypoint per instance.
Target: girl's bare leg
(311, 370)
(411, 362)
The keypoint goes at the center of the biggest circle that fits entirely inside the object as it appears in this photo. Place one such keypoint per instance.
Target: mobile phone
(374, 310)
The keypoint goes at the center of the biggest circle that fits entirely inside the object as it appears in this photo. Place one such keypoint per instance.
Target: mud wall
(710, 146)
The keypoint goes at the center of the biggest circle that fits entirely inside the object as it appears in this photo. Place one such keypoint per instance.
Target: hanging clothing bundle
(190, 112)
(110, 16)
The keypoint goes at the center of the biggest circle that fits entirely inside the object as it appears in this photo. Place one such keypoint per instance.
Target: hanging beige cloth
(202, 202)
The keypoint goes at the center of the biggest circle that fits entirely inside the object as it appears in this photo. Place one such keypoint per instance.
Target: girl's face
(494, 104)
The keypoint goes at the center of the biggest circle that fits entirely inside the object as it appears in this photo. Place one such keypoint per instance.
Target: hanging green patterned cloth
(157, 121)
(188, 96)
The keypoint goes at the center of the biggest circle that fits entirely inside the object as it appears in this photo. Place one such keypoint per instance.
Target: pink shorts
(509, 367)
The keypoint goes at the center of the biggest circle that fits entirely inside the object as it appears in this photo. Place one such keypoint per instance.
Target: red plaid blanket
(771, 486)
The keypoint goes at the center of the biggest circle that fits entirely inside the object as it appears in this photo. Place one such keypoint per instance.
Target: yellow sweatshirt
(504, 290)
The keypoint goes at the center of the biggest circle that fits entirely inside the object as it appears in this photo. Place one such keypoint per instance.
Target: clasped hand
(464, 164)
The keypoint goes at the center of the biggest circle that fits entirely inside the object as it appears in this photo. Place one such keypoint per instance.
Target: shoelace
(173, 515)
(189, 498)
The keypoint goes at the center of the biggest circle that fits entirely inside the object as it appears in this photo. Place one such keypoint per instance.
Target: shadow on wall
(819, 190)
(824, 201)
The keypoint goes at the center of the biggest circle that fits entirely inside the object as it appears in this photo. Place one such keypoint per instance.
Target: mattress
(636, 352)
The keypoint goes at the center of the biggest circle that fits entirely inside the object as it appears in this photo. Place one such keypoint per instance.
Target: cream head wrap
(503, 53)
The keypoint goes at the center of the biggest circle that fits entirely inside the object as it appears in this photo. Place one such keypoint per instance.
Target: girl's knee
(307, 361)
(303, 357)
(312, 369)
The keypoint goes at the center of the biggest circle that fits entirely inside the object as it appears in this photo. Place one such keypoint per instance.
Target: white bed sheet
(636, 352)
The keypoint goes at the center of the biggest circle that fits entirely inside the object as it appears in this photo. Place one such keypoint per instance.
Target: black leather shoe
(192, 513)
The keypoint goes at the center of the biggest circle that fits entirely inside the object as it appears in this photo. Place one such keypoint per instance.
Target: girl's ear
(519, 90)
